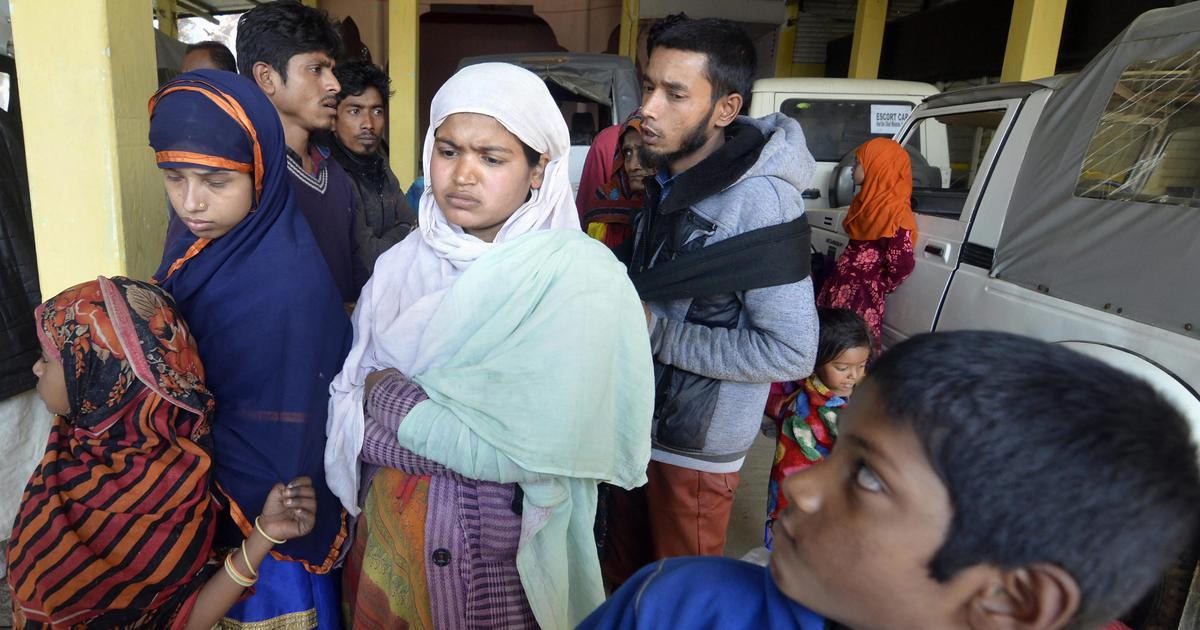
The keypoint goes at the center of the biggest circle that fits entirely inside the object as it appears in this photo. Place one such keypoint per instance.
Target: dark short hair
(220, 54)
(1049, 456)
(357, 75)
(532, 157)
(841, 330)
(274, 33)
(726, 47)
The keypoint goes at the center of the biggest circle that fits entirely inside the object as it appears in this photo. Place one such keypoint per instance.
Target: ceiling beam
(199, 9)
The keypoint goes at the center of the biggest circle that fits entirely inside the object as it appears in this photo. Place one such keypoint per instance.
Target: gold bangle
(232, 571)
(236, 575)
(246, 557)
(264, 534)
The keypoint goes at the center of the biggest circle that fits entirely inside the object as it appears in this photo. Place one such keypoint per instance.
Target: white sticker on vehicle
(887, 119)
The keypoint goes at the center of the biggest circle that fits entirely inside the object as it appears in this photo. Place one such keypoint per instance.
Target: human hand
(646, 310)
(374, 377)
(290, 511)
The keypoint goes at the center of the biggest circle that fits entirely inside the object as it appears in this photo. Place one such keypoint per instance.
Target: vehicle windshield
(834, 128)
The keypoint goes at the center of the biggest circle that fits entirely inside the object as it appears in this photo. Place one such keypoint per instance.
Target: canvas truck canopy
(1106, 209)
(607, 79)
(994, 92)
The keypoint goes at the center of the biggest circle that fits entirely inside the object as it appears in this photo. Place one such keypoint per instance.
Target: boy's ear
(265, 76)
(1034, 597)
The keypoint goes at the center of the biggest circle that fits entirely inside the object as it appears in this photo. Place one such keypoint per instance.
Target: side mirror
(841, 182)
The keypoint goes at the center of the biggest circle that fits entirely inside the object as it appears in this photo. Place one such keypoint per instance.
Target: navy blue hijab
(261, 302)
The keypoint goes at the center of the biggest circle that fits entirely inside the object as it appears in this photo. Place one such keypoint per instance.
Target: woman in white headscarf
(483, 416)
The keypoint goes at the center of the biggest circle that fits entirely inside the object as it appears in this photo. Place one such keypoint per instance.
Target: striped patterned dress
(116, 523)
(433, 549)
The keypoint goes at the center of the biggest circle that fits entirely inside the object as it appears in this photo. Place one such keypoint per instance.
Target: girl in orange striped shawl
(116, 524)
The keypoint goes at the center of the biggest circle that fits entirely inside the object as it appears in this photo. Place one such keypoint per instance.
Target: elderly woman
(607, 215)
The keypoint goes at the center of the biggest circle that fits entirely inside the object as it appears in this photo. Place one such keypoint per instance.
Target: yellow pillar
(98, 204)
(807, 70)
(786, 48)
(867, 44)
(167, 13)
(403, 45)
(1033, 36)
(630, 14)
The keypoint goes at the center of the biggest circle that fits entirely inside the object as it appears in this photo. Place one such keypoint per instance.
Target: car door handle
(941, 250)
(811, 193)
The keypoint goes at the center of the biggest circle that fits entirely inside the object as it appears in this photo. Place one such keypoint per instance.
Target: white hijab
(411, 278)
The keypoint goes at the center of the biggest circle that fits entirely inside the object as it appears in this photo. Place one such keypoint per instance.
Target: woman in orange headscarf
(882, 232)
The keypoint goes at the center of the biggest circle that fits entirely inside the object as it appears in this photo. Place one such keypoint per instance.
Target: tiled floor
(5, 600)
(750, 501)
(5, 607)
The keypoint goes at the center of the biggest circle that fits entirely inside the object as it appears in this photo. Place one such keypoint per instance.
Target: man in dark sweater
(288, 50)
(384, 217)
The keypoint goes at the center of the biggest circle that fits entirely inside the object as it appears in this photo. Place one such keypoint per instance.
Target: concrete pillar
(630, 14)
(1033, 37)
(867, 44)
(808, 70)
(786, 48)
(98, 203)
(403, 135)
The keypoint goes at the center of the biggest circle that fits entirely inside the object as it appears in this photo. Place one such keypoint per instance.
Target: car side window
(1146, 146)
(944, 173)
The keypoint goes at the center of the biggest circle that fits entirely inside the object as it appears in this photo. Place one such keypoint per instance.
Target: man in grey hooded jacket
(719, 176)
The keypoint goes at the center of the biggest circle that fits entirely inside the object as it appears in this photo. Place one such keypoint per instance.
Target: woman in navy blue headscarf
(268, 319)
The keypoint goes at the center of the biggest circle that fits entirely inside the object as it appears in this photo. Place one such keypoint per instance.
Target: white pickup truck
(1071, 213)
(837, 115)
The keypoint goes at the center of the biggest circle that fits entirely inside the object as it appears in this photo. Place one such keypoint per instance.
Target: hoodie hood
(784, 156)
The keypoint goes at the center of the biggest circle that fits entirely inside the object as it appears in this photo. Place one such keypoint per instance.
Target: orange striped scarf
(116, 523)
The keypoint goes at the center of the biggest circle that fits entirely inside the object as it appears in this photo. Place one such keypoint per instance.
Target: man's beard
(691, 143)
(369, 151)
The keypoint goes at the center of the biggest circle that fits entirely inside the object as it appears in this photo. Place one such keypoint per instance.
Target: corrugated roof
(821, 21)
(202, 8)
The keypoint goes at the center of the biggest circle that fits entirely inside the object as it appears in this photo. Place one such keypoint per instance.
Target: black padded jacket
(19, 292)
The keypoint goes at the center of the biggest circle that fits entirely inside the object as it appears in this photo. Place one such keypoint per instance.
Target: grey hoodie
(715, 357)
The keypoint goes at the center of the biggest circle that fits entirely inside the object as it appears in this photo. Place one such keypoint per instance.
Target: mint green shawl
(542, 376)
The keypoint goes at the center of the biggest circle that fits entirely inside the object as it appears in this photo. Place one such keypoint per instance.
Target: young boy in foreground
(981, 480)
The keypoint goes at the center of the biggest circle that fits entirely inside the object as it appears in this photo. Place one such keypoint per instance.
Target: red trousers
(679, 512)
